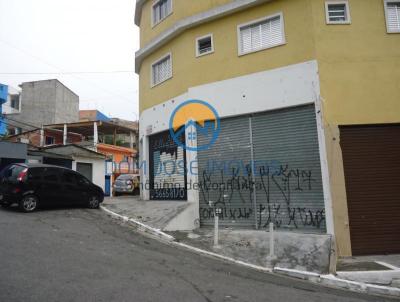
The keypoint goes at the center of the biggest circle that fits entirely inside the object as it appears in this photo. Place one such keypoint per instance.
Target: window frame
(347, 7)
(240, 26)
(152, 84)
(49, 136)
(385, 5)
(198, 54)
(156, 2)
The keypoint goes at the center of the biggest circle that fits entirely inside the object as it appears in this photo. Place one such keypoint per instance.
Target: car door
(51, 190)
(34, 181)
(71, 192)
(85, 188)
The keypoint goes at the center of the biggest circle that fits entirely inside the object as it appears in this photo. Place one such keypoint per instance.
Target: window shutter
(337, 12)
(393, 16)
(275, 32)
(261, 35)
(161, 10)
(162, 70)
(246, 39)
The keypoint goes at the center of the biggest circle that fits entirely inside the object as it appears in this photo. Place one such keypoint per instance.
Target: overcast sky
(62, 36)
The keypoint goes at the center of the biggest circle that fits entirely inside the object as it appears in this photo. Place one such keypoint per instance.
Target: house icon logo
(199, 120)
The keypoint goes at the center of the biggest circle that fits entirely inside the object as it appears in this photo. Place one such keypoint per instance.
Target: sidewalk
(304, 256)
(378, 269)
(156, 214)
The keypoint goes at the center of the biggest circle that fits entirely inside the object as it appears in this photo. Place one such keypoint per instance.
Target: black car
(34, 185)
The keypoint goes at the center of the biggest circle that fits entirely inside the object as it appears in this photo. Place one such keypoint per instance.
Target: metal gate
(265, 168)
(371, 159)
(167, 162)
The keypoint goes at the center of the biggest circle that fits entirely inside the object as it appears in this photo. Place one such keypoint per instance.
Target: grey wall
(13, 150)
(46, 102)
(67, 105)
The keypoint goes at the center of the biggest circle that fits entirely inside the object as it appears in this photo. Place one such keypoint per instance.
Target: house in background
(109, 139)
(39, 156)
(3, 100)
(85, 161)
(40, 103)
(92, 115)
(45, 137)
(12, 153)
(12, 106)
(106, 157)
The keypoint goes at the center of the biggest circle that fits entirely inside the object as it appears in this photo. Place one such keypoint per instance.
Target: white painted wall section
(98, 166)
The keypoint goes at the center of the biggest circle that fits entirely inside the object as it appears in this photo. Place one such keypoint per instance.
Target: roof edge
(138, 11)
(189, 22)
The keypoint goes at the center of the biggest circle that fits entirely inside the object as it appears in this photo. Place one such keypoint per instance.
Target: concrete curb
(334, 282)
(147, 230)
(221, 257)
(326, 280)
(141, 227)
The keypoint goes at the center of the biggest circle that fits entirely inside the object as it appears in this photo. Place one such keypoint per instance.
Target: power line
(73, 75)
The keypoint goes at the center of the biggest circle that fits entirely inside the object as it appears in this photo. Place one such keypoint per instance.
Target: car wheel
(28, 203)
(94, 202)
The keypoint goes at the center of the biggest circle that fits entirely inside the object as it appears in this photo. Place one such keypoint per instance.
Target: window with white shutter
(337, 12)
(161, 10)
(161, 70)
(261, 34)
(392, 10)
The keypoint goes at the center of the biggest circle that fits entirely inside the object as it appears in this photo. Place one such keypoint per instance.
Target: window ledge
(163, 81)
(204, 54)
(338, 22)
(240, 54)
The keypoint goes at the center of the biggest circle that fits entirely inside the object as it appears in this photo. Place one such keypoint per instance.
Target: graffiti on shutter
(265, 168)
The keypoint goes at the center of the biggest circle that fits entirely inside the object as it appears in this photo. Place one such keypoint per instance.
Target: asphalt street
(83, 255)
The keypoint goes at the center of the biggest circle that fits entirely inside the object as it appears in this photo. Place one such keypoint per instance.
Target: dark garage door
(371, 157)
(85, 169)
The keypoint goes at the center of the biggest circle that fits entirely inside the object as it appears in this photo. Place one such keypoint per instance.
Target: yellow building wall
(180, 10)
(359, 67)
(224, 63)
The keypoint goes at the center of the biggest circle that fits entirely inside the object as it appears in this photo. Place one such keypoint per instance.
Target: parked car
(34, 185)
(126, 184)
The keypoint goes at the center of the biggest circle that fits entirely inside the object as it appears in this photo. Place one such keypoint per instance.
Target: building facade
(43, 103)
(85, 141)
(11, 106)
(307, 93)
(92, 115)
(3, 100)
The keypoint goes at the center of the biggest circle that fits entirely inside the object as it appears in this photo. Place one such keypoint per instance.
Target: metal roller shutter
(269, 166)
(288, 170)
(371, 158)
(222, 178)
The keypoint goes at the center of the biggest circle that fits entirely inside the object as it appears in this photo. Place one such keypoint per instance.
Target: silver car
(126, 184)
